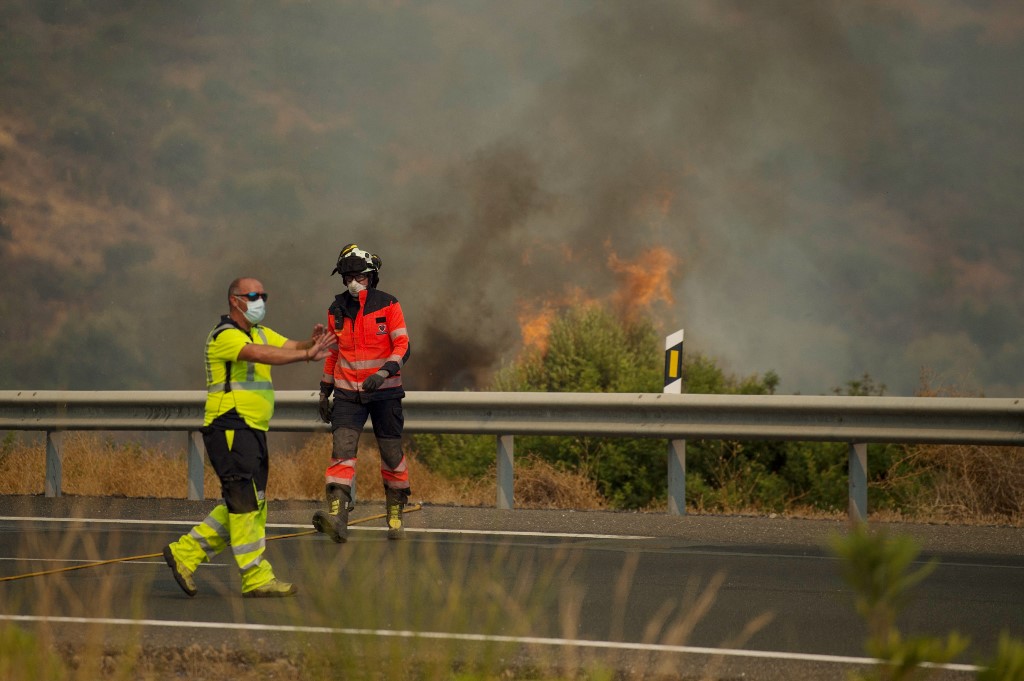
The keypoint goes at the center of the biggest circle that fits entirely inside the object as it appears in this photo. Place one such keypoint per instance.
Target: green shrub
(629, 472)
(876, 566)
(590, 349)
(1008, 663)
(456, 455)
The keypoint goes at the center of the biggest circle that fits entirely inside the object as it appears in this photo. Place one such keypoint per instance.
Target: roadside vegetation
(144, 188)
(496, 597)
(590, 350)
(877, 566)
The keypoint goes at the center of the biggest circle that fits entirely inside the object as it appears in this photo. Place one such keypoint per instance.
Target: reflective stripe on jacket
(371, 334)
(231, 384)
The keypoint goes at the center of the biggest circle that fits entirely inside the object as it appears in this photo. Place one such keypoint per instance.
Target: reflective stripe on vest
(240, 385)
(250, 374)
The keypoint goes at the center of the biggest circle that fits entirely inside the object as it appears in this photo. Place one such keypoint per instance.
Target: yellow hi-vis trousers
(244, 532)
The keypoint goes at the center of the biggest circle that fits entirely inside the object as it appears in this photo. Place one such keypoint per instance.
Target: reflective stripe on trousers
(341, 471)
(245, 533)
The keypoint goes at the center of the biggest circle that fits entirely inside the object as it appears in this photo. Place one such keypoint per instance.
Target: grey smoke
(838, 182)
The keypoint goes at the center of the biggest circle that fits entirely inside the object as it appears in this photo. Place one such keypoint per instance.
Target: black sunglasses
(252, 296)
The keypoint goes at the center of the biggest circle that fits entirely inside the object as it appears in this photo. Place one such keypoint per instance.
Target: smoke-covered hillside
(820, 189)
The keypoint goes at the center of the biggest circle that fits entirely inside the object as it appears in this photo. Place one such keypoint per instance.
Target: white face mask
(256, 312)
(354, 287)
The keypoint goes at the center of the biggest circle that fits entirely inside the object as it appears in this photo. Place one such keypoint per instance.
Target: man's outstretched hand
(323, 343)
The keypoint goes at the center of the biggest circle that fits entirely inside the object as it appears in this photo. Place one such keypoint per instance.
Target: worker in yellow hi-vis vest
(239, 406)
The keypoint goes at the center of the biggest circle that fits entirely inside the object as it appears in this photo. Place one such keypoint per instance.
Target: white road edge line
(562, 642)
(291, 526)
(442, 530)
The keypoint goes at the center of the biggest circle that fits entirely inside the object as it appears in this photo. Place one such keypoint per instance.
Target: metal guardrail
(856, 421)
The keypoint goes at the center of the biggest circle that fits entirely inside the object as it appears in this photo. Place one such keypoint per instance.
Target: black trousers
(242, 462)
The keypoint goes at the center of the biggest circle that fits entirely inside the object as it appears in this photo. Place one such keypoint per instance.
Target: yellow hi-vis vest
(232, 384)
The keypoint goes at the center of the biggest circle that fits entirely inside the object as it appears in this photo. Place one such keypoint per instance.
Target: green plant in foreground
(876, 566)
(24, 658)
(1008, 664)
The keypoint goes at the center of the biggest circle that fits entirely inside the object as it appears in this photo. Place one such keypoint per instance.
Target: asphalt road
(694, 596)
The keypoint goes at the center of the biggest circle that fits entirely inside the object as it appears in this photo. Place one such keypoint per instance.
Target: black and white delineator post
(676, 448)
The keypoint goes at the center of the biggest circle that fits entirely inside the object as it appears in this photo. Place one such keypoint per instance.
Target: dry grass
(971, 484)
(980, 480)
(97, 466)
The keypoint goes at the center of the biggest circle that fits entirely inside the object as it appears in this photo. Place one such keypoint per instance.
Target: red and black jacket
(371, 336)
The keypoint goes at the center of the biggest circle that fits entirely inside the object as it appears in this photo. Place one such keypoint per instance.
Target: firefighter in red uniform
(363, 373)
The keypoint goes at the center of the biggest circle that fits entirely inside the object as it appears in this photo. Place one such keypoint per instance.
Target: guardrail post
(506, 446)
(54, 463)
(677, 477)
(676, 448)
(195, 465)
(858, 510)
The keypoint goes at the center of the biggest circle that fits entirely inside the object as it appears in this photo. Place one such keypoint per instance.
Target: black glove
(373, 381)
(325, 401)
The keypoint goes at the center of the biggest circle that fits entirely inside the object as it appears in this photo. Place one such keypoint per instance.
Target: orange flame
(535, 326)
(535, 322)
(644, 280)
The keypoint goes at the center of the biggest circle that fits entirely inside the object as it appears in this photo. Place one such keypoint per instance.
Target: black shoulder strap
(226, 323)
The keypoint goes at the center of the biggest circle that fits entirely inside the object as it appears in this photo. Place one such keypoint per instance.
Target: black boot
(334, 521)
